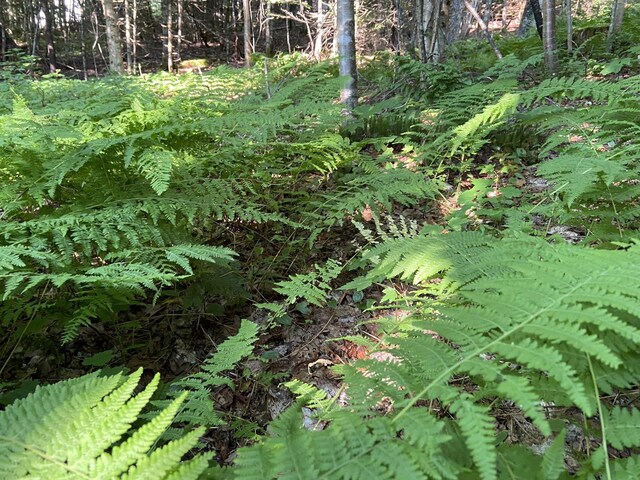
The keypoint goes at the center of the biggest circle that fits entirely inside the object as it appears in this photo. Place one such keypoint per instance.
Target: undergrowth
(125, 191)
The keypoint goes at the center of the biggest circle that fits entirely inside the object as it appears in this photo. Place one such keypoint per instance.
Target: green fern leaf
(623, 427)
(73, 429)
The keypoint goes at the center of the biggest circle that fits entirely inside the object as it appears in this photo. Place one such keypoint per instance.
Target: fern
(591, 154)
(312, 287)
(623, 428)
(83, 428)
(490, 118)
(199, 409)
(119, 191)
(549, 309)
(352, 447)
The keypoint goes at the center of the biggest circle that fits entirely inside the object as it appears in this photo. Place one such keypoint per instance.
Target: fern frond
(312, 287)
(199, 409)
(74, 429)
(350, 447)
(490, 118)
(155, 165)
(513, 301)
(623, 427)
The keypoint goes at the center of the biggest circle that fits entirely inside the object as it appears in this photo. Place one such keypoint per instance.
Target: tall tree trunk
(488, 13)
(319, 41)
(504, 15)
(127, 36)
(537, 15)
(4, 36)
(113, 38)
(617, 15)
(430, 35)
(454, 27)
(169, 44)
(549, 37)
(179, 39)
(134, 35)
(569, 27)
(268, 37)
(246, 32)
(83, 42)
(36, 30)
(346, 35)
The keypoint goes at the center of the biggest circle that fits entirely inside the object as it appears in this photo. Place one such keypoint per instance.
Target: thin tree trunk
(549, 37)
(317, 50)
(113, 38)
(537, 15)
(484, 28)
(83, 41)
(436, 48)
(569, 27)
(617, 15)
(268, 39)
(234, 27)
(504, 15)
(169, 36)
(454, 29)
(347, 52)
(179, 39)
(3, 42)
(488, 14)
(287, 23)
(134, 35)
(127, 36)
(246, 32)
(36, 33)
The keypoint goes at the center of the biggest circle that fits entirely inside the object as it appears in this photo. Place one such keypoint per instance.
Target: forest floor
(481, 159)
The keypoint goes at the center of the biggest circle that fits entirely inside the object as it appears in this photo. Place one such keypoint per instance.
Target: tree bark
(549, 37)
(617, 15)
(537, 15)
(429, 37)
(169, 44)
(569, 27)
(319, 41)
(454, 27)
(268, 37)
(346, 36)
(48, 32)
(246, 32)
(7, 42)
(114, 44)
(504, 15)
(134, 35)
(179, 14)
(127, 36)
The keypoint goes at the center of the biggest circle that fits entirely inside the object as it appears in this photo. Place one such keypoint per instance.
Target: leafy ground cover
(441, 286)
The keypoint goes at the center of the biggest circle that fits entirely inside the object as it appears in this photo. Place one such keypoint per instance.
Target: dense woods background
(83, 38)
(353, 239)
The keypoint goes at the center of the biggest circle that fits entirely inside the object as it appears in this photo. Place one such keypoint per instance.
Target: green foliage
(198, 409)
(114, 191)
(523, 321)
(83, 428)
(312, 287)
(117, 193)
(591, 153)
(352, 447)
